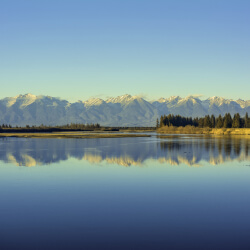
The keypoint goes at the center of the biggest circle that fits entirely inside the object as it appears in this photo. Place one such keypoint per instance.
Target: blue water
(125, 193)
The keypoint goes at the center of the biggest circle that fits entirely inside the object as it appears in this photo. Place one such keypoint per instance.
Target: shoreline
(203, 131)
(70, 135)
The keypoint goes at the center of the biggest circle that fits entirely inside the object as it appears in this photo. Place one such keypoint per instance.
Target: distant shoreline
(75, 135)
(206, 131)
(58, 129)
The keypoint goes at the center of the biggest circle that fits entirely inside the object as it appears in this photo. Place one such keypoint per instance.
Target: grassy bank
(207, 131)
(56, 129)
(62, 135)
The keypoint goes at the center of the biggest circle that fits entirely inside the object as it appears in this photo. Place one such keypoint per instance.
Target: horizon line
(144, 97)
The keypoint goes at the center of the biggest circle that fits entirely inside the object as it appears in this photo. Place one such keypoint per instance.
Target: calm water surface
(184, 192)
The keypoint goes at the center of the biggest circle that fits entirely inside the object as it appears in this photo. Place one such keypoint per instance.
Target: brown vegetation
(196, 130)
(71, 135)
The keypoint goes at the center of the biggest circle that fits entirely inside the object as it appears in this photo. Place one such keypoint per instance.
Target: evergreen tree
(164, 120)
(207, 121)
(213, 121)
(170, 119)
(219, 122)
(227, 121)
(195, 121)
(177, 120)
(161, 122)
(201, 123)
(236, 121)
(157, 123)
(246, 121)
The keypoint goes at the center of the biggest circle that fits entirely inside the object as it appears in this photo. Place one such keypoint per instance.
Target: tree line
(226, 121)
(74, 126)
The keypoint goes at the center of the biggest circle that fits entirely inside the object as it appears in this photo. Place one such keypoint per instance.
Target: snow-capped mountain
(125, 110)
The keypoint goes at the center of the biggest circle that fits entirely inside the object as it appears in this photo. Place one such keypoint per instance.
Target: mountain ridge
(124, 110)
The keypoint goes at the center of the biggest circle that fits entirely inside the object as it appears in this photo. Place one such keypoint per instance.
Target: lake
(177, 192)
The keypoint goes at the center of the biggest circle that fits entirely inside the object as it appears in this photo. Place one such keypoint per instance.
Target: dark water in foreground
(125, 193)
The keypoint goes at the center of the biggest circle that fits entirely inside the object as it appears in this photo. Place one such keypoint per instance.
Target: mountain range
(125, 110)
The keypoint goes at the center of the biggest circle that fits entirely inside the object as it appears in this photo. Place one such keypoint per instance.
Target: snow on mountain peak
(174, 97)
(121, 99)
(243, 103)
(25, 96)
(161, 100)
(94, 102)
(170, 99)
(218, 100)
(215, 98)
(193, 99)
(24, 100)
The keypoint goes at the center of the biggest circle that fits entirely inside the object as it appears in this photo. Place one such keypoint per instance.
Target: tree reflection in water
(190, 150)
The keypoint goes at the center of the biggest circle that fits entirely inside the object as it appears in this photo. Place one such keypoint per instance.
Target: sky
(79, 49)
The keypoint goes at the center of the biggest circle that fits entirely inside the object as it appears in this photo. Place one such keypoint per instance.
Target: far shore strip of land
(76, 135)
(203, 131)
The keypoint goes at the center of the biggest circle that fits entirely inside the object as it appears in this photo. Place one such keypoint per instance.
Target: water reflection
(213, 150)
(125, 151)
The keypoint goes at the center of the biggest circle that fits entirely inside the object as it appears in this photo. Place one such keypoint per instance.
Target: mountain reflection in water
(126, 151)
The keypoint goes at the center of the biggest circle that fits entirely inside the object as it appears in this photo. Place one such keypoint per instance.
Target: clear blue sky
(77, 49)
